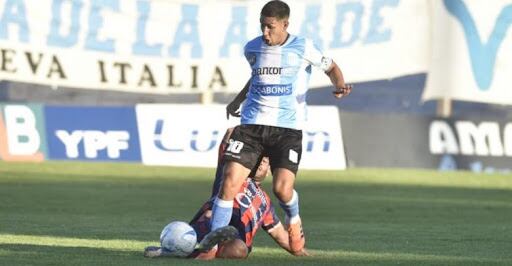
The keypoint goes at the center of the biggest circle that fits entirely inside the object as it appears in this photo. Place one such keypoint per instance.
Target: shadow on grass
(364, 218)
(20, 254)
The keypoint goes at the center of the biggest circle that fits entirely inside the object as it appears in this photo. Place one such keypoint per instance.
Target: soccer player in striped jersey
(252, 210)
(273, 115)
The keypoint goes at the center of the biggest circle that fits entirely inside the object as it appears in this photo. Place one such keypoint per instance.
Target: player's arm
(233, 106)
(315, 57)
(275, 229)
(280, 235)
(336, 76)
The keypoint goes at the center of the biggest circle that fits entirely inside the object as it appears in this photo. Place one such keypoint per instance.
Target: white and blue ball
(178, 238)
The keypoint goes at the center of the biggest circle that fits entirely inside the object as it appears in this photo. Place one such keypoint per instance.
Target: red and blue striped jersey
(252, 209)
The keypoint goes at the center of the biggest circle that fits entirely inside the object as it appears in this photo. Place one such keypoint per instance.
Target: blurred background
(147, 81)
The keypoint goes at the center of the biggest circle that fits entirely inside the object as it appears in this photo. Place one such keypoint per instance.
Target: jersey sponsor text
(273, 90)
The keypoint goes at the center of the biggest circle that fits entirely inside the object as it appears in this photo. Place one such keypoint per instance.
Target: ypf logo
(93, 142)
(20, 137)
(92, 133)
(482, 55)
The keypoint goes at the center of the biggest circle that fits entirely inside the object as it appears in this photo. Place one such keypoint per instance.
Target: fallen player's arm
(280, 235)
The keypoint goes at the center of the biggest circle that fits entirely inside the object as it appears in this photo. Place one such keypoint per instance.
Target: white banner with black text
(192, 46)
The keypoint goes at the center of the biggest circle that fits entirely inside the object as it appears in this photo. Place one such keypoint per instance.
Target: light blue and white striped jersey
(279, 81)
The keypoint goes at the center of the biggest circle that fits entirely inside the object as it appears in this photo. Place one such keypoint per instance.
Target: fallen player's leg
(155, 252)
(217, 236)
(230, 249)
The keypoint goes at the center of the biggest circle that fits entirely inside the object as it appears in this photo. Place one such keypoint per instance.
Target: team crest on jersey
(243, 200)
(251, 58)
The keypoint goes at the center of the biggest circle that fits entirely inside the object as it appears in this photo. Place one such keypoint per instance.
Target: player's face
(262, 171)
(274, 30)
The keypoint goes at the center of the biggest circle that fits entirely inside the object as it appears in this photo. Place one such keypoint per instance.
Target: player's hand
(343, 91)
(301, 253)
(233, 109)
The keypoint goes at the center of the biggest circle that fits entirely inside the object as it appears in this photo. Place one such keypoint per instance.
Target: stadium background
(431, 85)
(423, 73)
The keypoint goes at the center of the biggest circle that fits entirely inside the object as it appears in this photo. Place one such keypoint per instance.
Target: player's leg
(208, 239)
(229, 249)
(153, 252)
(220, 163)
(216, 236)
(234, 176)
(283, 183)
(284, 159)
(241, 155)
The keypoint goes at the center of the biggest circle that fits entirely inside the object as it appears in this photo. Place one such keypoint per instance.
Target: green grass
(59, 213)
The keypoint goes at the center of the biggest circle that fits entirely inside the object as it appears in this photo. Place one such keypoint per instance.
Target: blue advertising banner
(92, 133)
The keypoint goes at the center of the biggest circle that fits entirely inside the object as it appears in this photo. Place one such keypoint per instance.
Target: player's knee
(283, 184)
(228, 192)
(230, 186)
(229, 189)
(283, 192)
(234, 177)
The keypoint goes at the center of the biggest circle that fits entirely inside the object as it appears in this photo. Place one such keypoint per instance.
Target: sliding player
(252, 209)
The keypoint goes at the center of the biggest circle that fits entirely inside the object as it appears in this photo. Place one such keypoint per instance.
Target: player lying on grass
(252, 209)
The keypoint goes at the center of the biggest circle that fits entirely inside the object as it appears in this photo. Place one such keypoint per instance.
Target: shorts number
(235, 146)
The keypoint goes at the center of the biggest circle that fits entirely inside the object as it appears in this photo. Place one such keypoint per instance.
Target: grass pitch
(60, 213)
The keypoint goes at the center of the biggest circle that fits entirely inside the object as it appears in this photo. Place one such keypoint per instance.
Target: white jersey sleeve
(313, 55)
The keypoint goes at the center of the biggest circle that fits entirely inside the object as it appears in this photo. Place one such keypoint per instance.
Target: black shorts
(249, 143)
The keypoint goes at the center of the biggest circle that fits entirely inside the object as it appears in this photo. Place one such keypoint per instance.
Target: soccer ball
(178, 238)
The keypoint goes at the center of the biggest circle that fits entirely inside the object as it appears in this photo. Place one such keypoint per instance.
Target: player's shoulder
(258, 39)
(254, 43)
(298, 39)
(307, 42)
(299, 42)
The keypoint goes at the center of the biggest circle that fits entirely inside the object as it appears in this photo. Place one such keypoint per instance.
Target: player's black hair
(276, 9)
